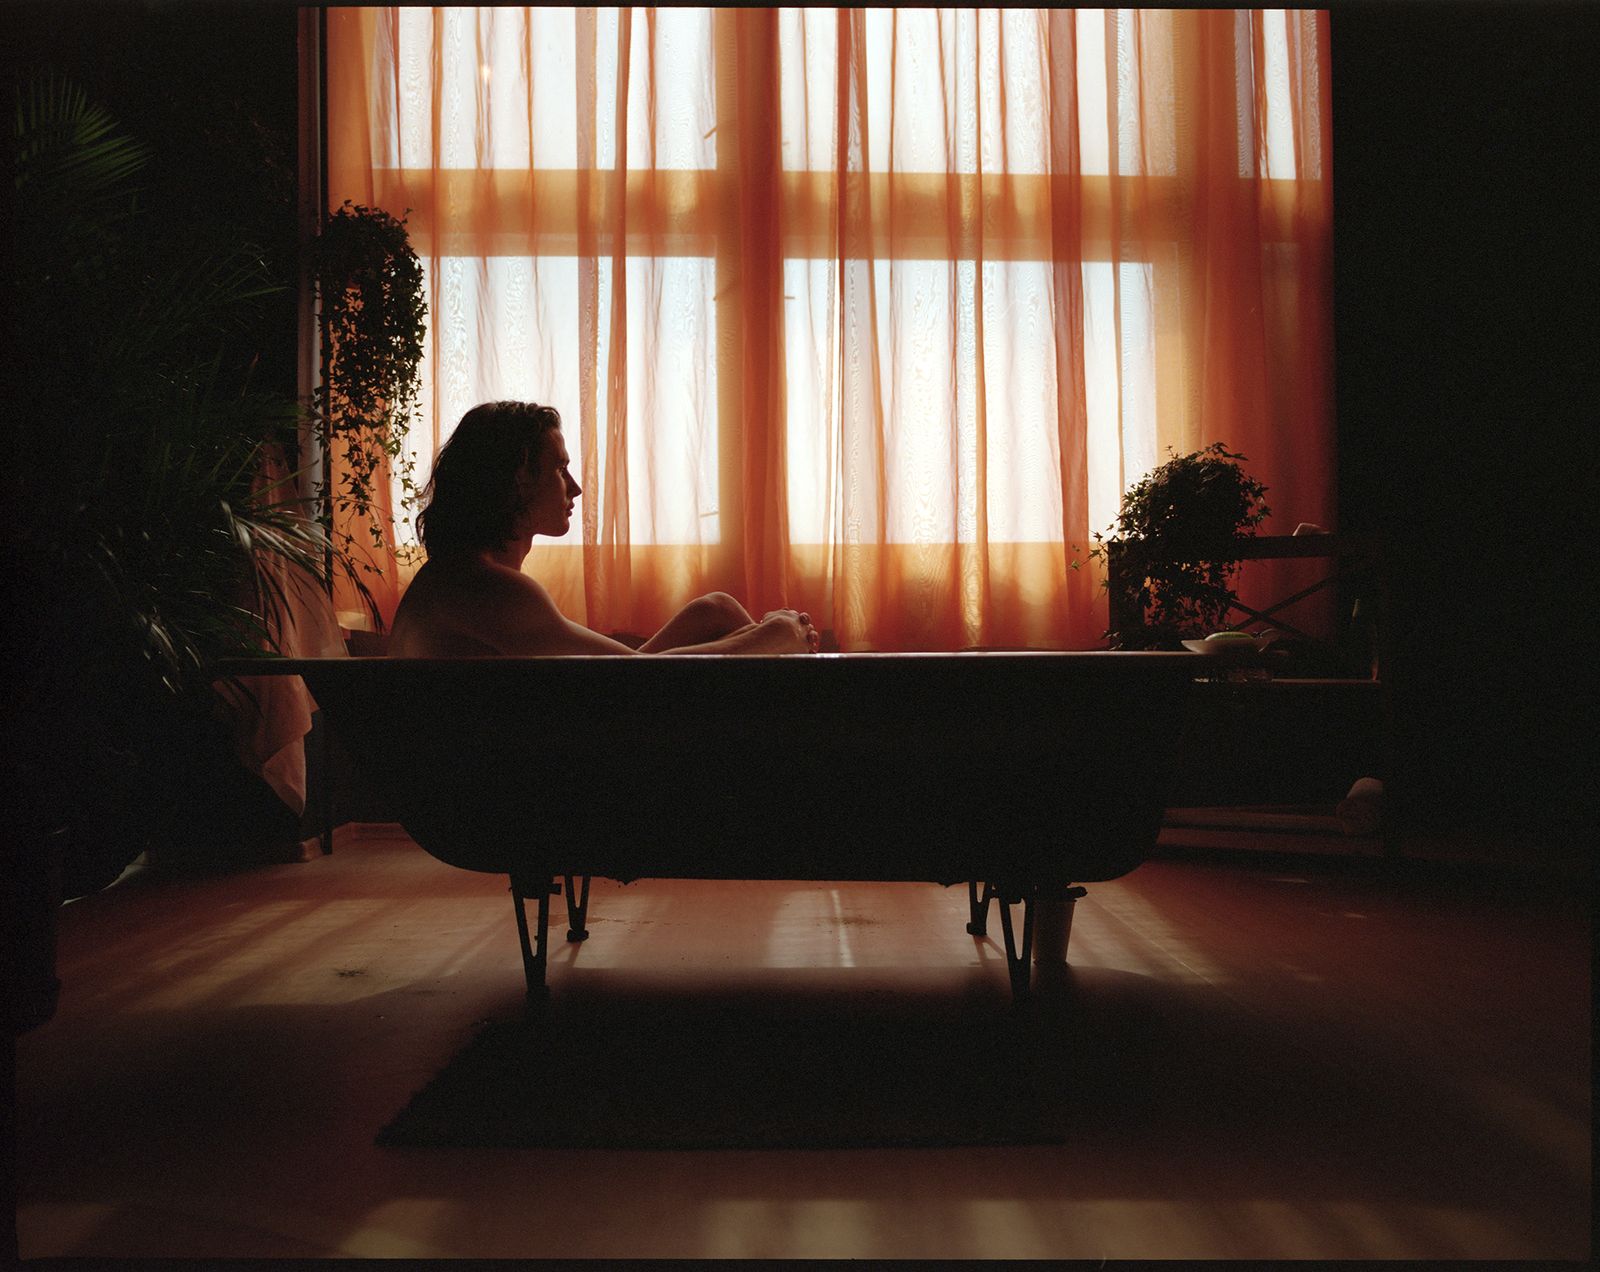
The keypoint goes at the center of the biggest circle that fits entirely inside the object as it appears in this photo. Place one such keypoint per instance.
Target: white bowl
(1234, 648)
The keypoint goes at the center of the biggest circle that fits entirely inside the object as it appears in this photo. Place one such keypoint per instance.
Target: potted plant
(372, 324)
(1172, 550)
(138, 543)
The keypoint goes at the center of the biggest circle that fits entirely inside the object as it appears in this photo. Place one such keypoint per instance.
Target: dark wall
(212, 89)
(1465, 273)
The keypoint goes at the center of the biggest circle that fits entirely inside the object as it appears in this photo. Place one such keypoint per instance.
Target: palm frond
(60, 134)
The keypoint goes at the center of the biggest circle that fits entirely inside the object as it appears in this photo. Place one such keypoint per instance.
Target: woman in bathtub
(501, 479)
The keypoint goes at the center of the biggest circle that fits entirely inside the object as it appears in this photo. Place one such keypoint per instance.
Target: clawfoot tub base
(1029, 770)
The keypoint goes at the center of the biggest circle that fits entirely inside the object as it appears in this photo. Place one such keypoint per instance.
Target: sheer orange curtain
(874, 313)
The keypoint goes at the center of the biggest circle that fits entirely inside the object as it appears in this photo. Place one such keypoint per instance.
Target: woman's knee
(720, 609)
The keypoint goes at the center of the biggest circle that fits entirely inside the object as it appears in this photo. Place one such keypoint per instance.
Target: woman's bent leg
(706, 618)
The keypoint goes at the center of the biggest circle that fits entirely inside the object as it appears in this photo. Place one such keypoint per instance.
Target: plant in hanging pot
(372, 325)
(1173, 548)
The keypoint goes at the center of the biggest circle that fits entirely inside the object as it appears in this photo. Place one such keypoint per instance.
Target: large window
(873, 312)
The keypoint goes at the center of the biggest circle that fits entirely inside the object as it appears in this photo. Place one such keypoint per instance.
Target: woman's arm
(780, 632)
(511, 613)
(520, 618)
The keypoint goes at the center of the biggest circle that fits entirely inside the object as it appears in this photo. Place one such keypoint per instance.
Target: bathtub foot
(534, 951)
(577, 907)
(1019, 961)
(978, 906)
(1046, 928)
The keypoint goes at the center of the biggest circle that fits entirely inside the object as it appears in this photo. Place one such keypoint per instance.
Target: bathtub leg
(533, 953)
(577, 908)
(1052, 927)
(1019, 962)
(978, 906)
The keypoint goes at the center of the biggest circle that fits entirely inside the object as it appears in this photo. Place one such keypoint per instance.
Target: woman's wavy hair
(470, 501)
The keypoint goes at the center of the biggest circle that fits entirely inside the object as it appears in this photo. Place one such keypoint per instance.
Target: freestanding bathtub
(1021, 775)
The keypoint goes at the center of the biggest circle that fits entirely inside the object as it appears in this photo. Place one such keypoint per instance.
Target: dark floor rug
(746, 1069)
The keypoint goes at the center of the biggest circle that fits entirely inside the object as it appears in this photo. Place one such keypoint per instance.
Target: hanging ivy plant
(373, 324)
(1176, 548)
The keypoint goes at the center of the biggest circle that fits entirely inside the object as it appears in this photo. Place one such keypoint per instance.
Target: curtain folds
(873, 313)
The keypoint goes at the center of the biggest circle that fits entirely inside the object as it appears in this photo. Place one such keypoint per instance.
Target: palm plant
(138, 540)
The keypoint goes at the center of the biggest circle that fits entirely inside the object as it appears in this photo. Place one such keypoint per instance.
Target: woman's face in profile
(548, 489)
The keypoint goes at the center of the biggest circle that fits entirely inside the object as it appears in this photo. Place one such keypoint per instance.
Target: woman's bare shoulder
(451, 581)
(468, 606)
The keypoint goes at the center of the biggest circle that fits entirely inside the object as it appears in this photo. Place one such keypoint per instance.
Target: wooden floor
(1320, 1061)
